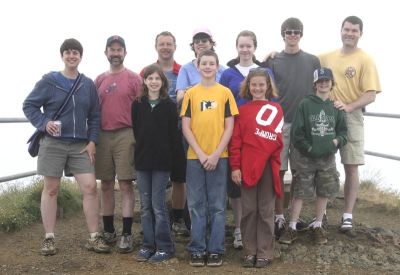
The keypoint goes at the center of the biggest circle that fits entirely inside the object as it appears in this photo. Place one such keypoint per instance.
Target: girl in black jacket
(155, 126)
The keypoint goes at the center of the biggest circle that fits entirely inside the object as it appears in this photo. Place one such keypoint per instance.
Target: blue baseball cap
(323, 73)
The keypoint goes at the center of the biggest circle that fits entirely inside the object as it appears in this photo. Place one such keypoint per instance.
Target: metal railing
(32, 173)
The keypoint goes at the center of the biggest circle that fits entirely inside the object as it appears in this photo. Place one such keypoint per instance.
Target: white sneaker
(237, 239)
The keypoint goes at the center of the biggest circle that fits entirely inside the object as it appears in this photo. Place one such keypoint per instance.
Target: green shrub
(21, 206)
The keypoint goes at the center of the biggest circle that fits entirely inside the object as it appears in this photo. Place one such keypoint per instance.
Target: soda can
(58, 124)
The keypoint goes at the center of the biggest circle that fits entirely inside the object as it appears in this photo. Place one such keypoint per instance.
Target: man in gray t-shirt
(293, 70)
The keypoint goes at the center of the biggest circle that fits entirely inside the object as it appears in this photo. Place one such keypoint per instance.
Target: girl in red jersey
(254, 156)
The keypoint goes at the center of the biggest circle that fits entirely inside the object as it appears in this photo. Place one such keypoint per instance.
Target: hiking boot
(249, 261)
(48, 247)
(197, 259)
(237, 239)
(324, 222)
(319, 235)
(97, 244)
(289, 236)
(144, 255)
(125, 243)
(346, 225)
(179, 227)
(214, 259)
(110, 238)
(280, 225)
(301, 225)
(262, 263)
(160, 256)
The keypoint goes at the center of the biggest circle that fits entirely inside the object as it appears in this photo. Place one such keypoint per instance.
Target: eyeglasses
(293, 32)
(200, 40)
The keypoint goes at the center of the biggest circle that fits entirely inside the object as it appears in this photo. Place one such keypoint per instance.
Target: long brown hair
(272, 90)
(155, 68)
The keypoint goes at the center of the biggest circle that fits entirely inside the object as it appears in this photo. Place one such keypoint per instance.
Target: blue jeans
(206, 197)
(153, 210)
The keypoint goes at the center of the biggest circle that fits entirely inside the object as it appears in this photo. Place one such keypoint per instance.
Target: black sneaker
(301, 225)
(214, 259)
(347, 225)
(197, 259)
(249, 261)
(262, 263)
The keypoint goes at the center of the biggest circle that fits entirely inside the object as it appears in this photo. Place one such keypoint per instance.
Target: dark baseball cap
(323, 73)
(115, 38)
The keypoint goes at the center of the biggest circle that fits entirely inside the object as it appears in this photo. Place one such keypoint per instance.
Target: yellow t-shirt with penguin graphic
(207, 108)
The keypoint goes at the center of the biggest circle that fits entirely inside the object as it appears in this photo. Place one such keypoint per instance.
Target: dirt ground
(19, 251)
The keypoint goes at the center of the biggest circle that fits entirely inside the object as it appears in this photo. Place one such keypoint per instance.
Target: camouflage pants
(315, 176)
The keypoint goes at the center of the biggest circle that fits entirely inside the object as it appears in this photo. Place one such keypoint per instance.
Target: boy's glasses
(293, 32)
(200, 40)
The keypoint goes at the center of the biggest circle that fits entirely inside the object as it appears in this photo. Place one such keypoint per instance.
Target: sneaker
(110, 238)
(347, 225)
(48, 247)
(324, 222)
(179, 227)
(319, 235)
(289, 236)
(280, 225)
(249, 261)
(237, 239)
(262, 263)
(160, 256)
(301, 225)
(197, 259)
(97, 244)
(144, 255)
(214, 259)
(125, 243)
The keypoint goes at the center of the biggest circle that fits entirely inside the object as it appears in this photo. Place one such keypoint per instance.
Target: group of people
(213, 132)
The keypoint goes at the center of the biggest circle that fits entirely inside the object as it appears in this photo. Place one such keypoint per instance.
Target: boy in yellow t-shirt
(207, 124)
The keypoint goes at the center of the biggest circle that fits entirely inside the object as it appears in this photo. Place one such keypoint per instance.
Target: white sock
(280, 216)
(317, 224)
(292, 225)
(93, 235)
(347, 216)
(49, 236)
(237, 230)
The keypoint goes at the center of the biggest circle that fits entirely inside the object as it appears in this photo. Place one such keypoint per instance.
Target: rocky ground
(372, 248)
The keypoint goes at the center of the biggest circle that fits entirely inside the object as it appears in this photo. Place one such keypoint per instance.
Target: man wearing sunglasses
(293, 70)
(357, 83)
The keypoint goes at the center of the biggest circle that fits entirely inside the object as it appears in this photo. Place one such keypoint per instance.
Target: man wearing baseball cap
(318, 131)
(117, 88)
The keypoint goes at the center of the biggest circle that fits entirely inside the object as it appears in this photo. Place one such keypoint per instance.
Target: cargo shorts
(315, 176)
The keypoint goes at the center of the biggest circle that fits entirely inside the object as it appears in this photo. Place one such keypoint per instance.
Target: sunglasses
(293, 32)
(200, 40)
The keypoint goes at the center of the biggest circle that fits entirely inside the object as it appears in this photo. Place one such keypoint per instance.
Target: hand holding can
(58, 124)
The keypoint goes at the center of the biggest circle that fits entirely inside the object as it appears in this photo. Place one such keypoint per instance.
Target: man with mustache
(117, 88)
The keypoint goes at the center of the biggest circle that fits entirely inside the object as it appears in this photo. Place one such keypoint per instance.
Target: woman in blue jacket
(70, 149)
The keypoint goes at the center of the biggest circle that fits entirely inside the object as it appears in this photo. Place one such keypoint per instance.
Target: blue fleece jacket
(232, 78)
(81, 116)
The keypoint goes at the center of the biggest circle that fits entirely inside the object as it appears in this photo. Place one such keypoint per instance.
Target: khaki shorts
(317, 175)
(286, 154)
(56, 156)
(114, 155)
(353, 151)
